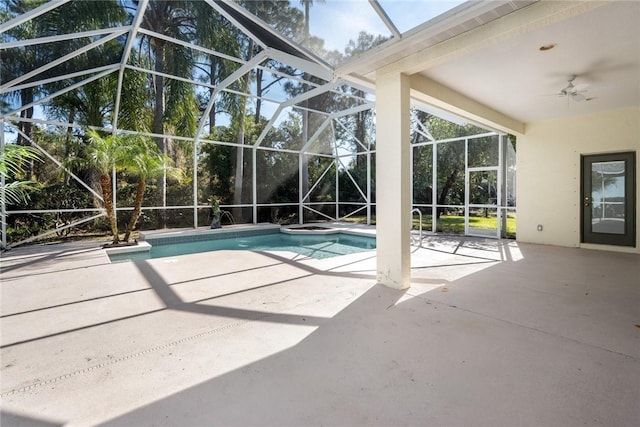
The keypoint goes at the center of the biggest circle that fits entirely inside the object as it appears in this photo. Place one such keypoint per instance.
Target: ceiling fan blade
(581, 87)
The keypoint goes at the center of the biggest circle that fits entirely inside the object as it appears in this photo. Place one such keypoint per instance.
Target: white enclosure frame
(274, 47)
(500, 207)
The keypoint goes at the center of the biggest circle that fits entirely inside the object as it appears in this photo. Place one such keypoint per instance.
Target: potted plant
(216, 212)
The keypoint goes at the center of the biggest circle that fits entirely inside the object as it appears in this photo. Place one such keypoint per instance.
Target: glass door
(608, 199)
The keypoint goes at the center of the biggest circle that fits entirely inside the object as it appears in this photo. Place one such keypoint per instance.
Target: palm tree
(174, 101)
(106, 154)
(12, 160)
(135, 113)
(147, 162)
(305, 113)
(214, 32)
(240, 114)
(307, 6)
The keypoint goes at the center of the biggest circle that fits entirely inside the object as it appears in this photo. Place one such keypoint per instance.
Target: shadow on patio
(396, 358)
(487, 335)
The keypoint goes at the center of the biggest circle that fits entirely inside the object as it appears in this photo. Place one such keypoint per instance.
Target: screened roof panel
(352, 137)
(260, 31)
(332, 26)
(408, 14)
(341, 29)
(183, 59)
(259, 51)
(266, 108)
(270, 88)
(61, 19)
(33, 63)
(323, 140)
(320, 136)
(331, 102)
(286, 133)
(146, 37)
(292, 75)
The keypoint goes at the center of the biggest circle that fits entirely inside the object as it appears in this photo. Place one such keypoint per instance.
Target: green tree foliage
(145, 161)
(216, 33)
(277, 172)
(175, 105)
(106, 153)
(57, 196)
(16, 189)
(56, 188)
(161, 105)
(68, 18)
(450, 165)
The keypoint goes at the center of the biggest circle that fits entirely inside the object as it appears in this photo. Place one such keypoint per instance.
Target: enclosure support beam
(300, 190)
(3, 205)
(195, 183)
(434, 189)
(32, 14)
(502, 185)
(368, 186)
(393, 171)
(254, 183)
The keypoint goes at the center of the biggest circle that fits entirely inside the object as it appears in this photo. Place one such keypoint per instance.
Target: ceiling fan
(574, 92)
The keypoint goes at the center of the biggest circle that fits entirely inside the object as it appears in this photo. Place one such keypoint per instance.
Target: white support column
(393, 170)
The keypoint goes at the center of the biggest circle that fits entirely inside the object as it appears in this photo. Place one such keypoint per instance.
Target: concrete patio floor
(491, 333)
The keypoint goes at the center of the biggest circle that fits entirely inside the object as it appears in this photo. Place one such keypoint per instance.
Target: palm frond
(13, 158)
(17, 192)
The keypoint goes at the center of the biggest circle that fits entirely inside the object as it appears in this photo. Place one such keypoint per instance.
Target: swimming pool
(310, 245)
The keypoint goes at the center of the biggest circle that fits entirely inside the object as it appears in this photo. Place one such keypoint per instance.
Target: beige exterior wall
(548, 164)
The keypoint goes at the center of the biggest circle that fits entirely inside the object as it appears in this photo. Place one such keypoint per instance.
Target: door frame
(497, 206)
(477, 232)
(629, 237)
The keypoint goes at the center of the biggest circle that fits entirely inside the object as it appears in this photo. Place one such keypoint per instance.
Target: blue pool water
(314, 246)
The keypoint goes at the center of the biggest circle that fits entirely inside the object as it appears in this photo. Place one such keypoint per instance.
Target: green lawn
(451, 223)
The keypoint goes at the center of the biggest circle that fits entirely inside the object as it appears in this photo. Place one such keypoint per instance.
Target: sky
(338, 21)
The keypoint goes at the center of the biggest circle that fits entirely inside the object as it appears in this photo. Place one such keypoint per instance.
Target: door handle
(587, 202)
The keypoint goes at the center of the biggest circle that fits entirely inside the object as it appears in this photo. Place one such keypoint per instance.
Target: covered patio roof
(511, 72)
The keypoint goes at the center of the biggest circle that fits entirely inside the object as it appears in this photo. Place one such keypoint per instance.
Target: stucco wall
(548, 164)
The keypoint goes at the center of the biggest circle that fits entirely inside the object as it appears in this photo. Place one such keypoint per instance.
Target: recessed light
(546, 47)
